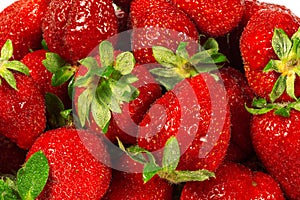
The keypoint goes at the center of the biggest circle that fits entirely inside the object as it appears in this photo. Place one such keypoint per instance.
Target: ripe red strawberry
(128, 183)
(42, 76)
(196, 113)
(239, 94)
(234, 181)
(74, 28)
(21, 22)
(230, 43)
(78, 163)
(266, 74)
(11, 157)
(213, 18)
(276, 140)
(22, 106)
(159, 23)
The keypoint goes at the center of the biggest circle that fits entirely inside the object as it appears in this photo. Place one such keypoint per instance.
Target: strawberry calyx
(261, 106)
(6, 65)
(288, 66)
(170, 160)
(176, 66)
(106, 86)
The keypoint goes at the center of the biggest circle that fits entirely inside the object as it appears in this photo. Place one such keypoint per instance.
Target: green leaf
(125, 63)
(150, 170)
(7, 50)
(17, 66)
(259, 103)
(278, 88)
(296, 35)
(211, 43)
(272, 66)
(171, 155)
(202, 57)
(84, 105)
(53, 62)
(44, 45)
(106, 51)
(290, 85)
(105, 94)
(296, 105)
(101, 114)
(32, 178)
(62, 75)
(284, 112)
(182, 52)
(8, 77)
(281, 43)
(259, 111)
(137, 154)
(54, 107)
(218, 58)
(164, 72)
(7, 191)
(165, 57)
(186, 176)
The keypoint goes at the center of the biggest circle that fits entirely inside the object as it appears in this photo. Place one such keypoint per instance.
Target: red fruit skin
(239, 94)
(76, 170)
(12, 157)
(213, 18)
(74, 28)
(43, 77)
(128, 184)
(160, 24)
(256, 48)
(21, 22)
(22, 112)
(276, 141)
(234, 181)
(196, 112)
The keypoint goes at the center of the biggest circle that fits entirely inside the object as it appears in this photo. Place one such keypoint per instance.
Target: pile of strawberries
(149, 99)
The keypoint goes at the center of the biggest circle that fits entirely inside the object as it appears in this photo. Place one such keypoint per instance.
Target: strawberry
(128, 183)
(276, 140)
(22, 106)
(11, 157)
(230, 43)
(40, 74)
(21, 22)
(203, 134)
(239, 94)
(78, 162)
(160, 23)
(197, 118)
(213, 18)
(269, 54)
(74, 28)
(234, 181)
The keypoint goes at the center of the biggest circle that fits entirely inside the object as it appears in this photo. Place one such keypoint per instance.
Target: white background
(291, 4)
